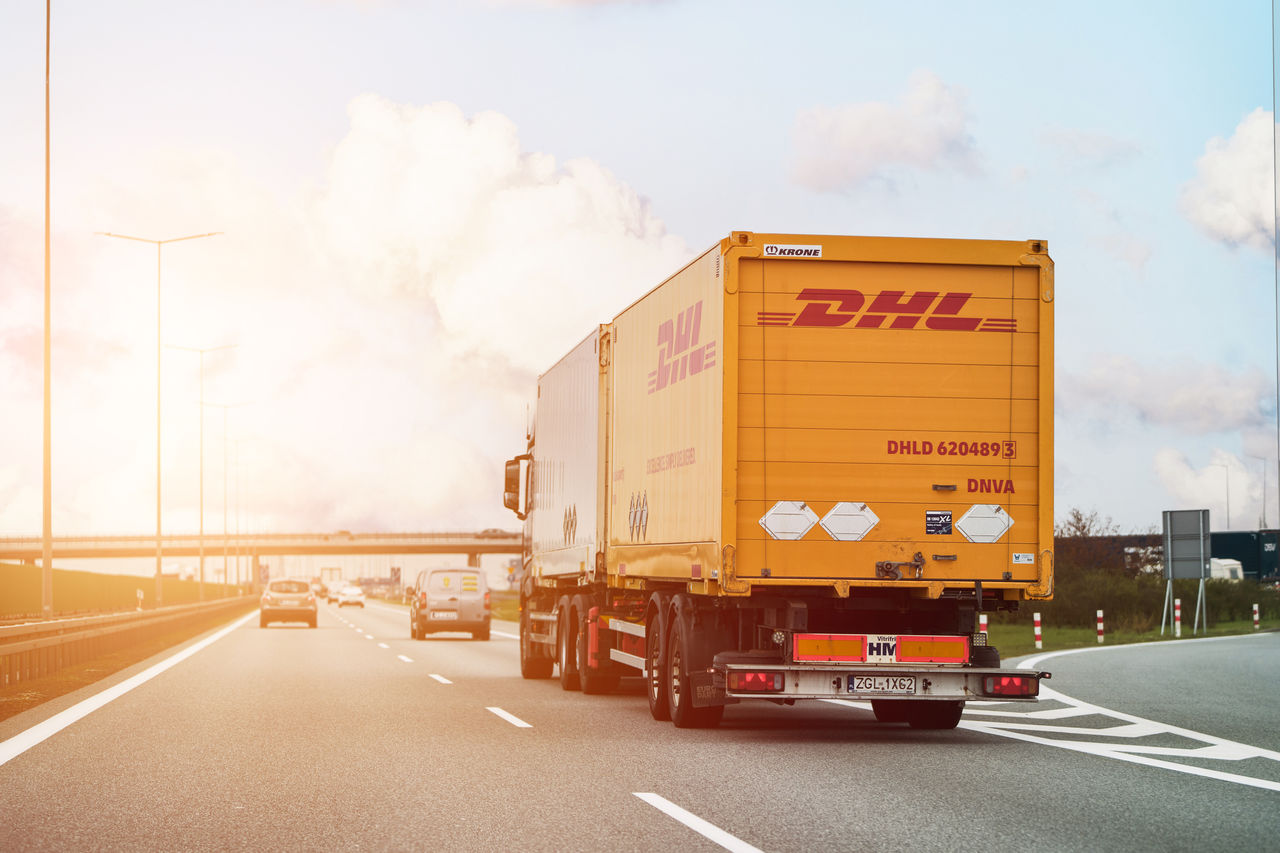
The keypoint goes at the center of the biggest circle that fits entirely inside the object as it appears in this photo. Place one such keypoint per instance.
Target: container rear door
(888, 408)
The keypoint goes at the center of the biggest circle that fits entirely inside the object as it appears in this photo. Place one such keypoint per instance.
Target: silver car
(286, 600)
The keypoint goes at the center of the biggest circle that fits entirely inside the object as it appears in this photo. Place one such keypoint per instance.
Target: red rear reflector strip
(755, 682)
(1010, 685)
(933, 649)
(829, 647)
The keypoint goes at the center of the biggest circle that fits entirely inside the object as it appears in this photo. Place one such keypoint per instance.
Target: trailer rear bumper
(789, 682)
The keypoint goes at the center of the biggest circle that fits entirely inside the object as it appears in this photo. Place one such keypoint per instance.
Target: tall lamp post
(1226, 471)
(226, 546)
(1264, 489)
(159, 244)
(202, 351)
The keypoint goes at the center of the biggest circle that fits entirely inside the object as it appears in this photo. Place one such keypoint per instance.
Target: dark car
(287, 600)
(449, 600)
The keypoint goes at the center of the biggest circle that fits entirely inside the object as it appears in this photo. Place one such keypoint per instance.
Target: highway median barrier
(33, 650)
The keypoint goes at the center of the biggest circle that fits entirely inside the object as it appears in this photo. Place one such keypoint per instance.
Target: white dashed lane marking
(510, 718)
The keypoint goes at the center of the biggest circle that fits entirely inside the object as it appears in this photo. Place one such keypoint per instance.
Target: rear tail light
(311, 598)
(1010, 685)
(745, 680)
(486, 599)
(422, 599)
(266, 598)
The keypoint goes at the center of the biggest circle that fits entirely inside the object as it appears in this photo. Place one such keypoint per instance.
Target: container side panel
(667, 378)
(565, 461)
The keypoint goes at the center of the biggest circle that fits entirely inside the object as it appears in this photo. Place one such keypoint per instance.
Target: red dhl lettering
(890, 309)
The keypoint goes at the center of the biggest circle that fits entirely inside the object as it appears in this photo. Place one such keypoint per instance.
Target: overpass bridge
(29, 549)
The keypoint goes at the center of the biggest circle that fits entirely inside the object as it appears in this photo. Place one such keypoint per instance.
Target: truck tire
(680, 655)
(656, 661)
(593, 681)
(934, 715)
(533, 664)
(890, 710)
(566, 645)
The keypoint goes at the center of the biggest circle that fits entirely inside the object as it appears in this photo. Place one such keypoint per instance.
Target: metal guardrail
(36, 649)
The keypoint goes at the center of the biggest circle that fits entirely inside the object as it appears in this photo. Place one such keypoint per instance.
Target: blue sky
(373, 163)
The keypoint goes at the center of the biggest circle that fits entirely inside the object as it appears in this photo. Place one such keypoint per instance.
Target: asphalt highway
(353, 736)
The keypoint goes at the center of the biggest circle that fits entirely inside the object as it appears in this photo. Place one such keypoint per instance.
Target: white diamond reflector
(984, 523)
(788, 520)
(849, 521)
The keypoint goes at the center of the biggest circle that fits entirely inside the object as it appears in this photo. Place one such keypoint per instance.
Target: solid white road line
(441, 679)
(510, 718)
(20, 743)
(698, 825)
(405, 659)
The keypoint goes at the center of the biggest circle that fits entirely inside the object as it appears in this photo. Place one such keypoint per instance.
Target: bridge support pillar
(473, 560)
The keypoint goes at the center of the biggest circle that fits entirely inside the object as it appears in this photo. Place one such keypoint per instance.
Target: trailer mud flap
(705, 692)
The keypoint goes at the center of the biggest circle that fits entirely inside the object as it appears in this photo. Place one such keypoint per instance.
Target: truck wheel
(680, 686)
(934, 715)
(890, 710)
(532, 663)
(656, 665)
(593, 680)
(566, 645)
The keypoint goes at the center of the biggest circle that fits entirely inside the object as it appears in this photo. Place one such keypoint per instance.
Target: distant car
(351, 594)
(493, 531)
(287, 600)
(449, 600)
(331, 594)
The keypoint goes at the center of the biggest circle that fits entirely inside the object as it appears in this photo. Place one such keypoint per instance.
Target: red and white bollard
(1177, 617)
(1255, 617)
(1099, 626)
(982, 624)
(1039, 641)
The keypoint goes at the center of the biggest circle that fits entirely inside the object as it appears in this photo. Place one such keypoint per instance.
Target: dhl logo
(890, 309)
(680, 352)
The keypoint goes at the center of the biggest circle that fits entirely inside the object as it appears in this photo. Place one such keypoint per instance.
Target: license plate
(444, 614)
(883, 684)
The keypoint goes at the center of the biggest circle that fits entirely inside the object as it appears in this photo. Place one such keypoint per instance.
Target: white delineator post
(982, 624)
(1177, 617)
(1255, 617)
(1099, 626)
(1039, 642)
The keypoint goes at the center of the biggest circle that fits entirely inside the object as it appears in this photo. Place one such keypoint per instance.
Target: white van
(449, 600)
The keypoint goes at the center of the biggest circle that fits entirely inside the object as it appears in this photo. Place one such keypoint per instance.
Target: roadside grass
(1018, 640)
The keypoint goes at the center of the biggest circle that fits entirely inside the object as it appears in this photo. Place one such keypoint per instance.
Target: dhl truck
(799, 468)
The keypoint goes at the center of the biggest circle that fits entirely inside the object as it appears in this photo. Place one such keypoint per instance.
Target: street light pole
(226, 546)
(46, 571)
(1264, 488)
(1227, 472)
(159, 244)
(202, 351)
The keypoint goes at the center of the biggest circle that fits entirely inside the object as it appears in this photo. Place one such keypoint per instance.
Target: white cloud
(843, 147)
(1206, 487)
(1197, 399)
(1232, 197)
(389, 324)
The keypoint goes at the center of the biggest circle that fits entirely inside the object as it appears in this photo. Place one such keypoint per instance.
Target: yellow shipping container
(816, 411)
